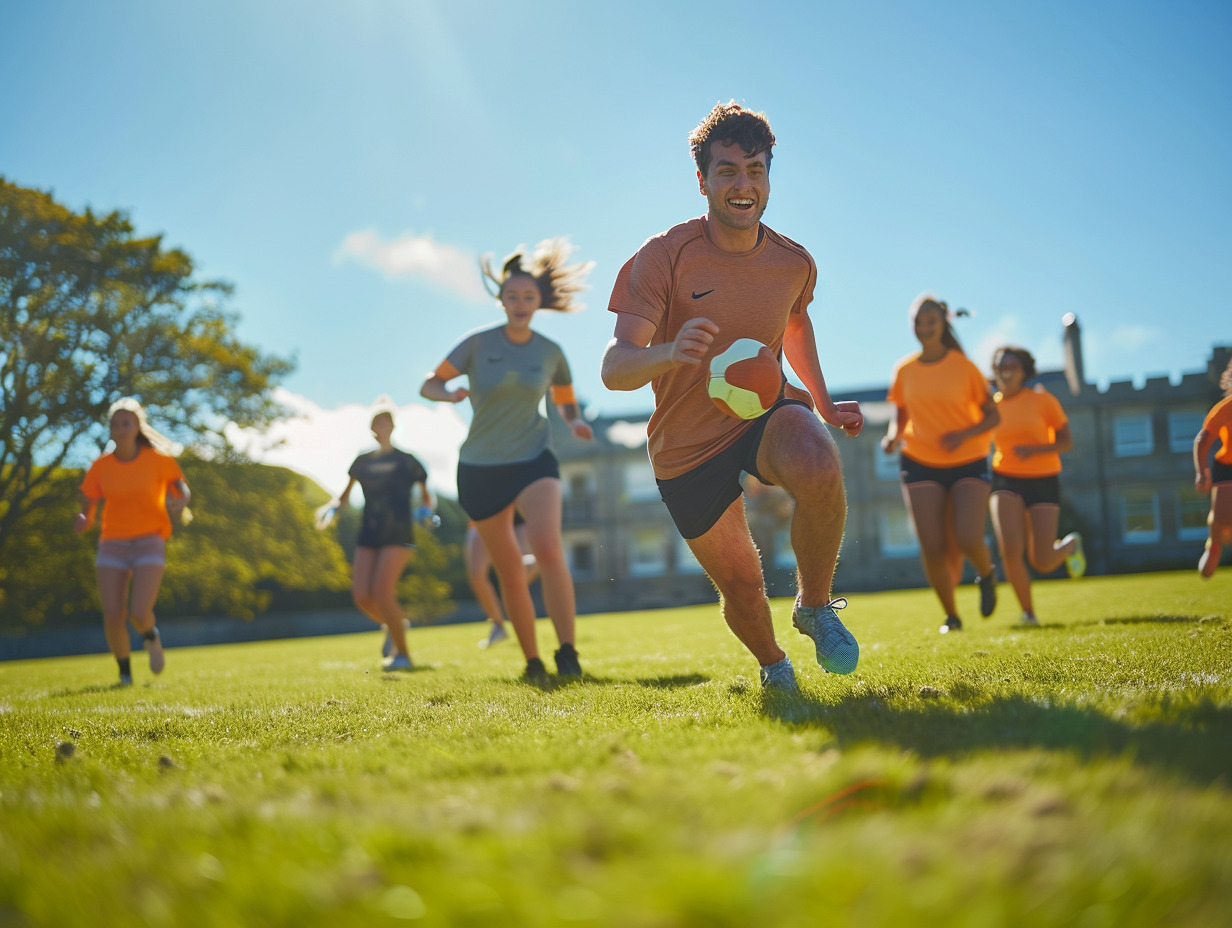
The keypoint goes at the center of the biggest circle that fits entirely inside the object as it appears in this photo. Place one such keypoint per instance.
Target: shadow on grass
(673, 681)
(92, 688)
(1195, 742)
(1153, 620)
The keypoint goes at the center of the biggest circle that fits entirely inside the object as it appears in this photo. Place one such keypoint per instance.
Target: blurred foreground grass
(1079, 773)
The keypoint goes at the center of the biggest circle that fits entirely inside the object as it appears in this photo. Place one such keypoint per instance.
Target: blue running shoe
(837, 650)
(779, 677)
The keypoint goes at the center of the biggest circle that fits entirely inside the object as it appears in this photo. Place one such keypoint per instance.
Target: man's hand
(693, 341)
(847, 416)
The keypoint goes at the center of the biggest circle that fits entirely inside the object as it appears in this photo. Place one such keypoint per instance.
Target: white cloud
(410, 255)
(1133, 337)
(628, 434)
(322, 443)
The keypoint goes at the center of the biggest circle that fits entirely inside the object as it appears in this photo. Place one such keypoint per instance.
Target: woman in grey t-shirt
(506, 461)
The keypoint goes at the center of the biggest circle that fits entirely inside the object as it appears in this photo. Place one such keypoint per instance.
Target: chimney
(1073, 354)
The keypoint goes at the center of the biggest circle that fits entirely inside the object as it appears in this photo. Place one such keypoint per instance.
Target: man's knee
(741, 586)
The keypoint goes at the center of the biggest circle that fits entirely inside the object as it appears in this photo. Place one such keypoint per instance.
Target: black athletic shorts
(1034, 491)
(486, 489)
(1221, 472)
(915, 472)
(380, 530)
(698, 498)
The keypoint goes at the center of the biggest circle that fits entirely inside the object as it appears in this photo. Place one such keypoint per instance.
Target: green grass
(1079, 773)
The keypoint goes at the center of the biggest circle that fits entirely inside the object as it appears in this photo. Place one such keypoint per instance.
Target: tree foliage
(90, 311)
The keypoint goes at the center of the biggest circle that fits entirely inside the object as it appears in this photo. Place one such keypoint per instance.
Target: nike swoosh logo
(698, 296)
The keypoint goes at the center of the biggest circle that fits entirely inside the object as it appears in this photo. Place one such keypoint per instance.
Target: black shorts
(698, 498)
(915, 472)
(382, 531)
(486, 489)
(1035, 491)
(1220, 472)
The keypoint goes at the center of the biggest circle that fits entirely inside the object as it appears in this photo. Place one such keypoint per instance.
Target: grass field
(1075, 774)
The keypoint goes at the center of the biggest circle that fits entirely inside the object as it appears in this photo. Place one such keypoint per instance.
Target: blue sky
(344, 163)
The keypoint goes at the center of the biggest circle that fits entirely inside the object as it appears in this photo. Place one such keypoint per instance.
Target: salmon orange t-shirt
(1029, 417)
(940, 397)
(682, 275)
(134, 493)
(1219, 420)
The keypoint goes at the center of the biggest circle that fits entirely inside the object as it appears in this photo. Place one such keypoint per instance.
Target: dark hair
(928, 301)
(1025, 358)
(731, 123)
(1225, 379)
(559, 283)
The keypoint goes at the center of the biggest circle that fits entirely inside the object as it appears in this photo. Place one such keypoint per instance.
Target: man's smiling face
(737, 186)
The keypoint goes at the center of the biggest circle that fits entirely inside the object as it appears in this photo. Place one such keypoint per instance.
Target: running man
(686, 296)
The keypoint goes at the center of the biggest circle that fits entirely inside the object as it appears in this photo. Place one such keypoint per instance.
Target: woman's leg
(113, 591)
(926, 504)
(540, 505)
(362, 582)
(477, 565)
(1220, 523)
(1046, 552)
(498, 537)
(1009, 522)
(390, 562)
(970, 497)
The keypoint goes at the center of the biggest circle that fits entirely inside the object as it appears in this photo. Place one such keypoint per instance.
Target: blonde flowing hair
(559, 282)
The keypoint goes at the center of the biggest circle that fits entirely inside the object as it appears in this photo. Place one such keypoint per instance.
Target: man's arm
(800, 349)
(628, 363)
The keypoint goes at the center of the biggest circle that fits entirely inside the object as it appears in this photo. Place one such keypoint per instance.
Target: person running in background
(506, 462)
(944, 414)
(1032, 434)
(478, 566)
(386, 538)
(143, 491)
(1215, 477)
(685, 296)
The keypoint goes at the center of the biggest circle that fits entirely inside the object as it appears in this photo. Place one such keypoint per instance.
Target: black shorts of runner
(486, 489)
(382, 531)
(697, 499)
(1221, 472)
(915, 472)
(1035, 491)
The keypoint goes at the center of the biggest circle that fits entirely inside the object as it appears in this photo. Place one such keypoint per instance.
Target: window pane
(1139, 516)
(1182, 428)
(1191, 514)
(897, 538)
(1132, 436)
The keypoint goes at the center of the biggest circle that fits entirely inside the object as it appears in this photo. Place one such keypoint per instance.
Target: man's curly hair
(727, 123)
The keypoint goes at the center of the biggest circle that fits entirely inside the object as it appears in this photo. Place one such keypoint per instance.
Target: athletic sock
(152, 634)
(126, 666)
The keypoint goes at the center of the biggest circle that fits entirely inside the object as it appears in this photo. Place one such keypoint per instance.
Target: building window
(1139, 517)
(640, 481)
(897, 538)
(648, 553)
(1132, 436)
(1183, 427)
(886, 466)
(1191, 510)
(580, 551)
(686, 563)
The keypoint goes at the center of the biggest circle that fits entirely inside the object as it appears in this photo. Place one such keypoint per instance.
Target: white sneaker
(1029, 619)
(154, 648)
(495, 635)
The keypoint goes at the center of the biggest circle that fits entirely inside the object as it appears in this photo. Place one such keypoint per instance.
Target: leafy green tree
(89, 312)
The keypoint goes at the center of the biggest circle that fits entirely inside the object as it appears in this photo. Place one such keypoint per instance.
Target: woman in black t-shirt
(386, 476)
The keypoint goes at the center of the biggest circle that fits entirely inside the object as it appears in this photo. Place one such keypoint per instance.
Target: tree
(90, 312)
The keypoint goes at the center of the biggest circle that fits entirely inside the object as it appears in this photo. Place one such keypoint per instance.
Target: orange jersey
(134, 493)
(682, 275)
(940, 397)
(1219, 420)
(1029, 417)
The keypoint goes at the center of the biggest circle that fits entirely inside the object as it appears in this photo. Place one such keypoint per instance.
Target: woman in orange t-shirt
(944, 414)
(1215, 477)
(1028, 442)
(143, 490)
